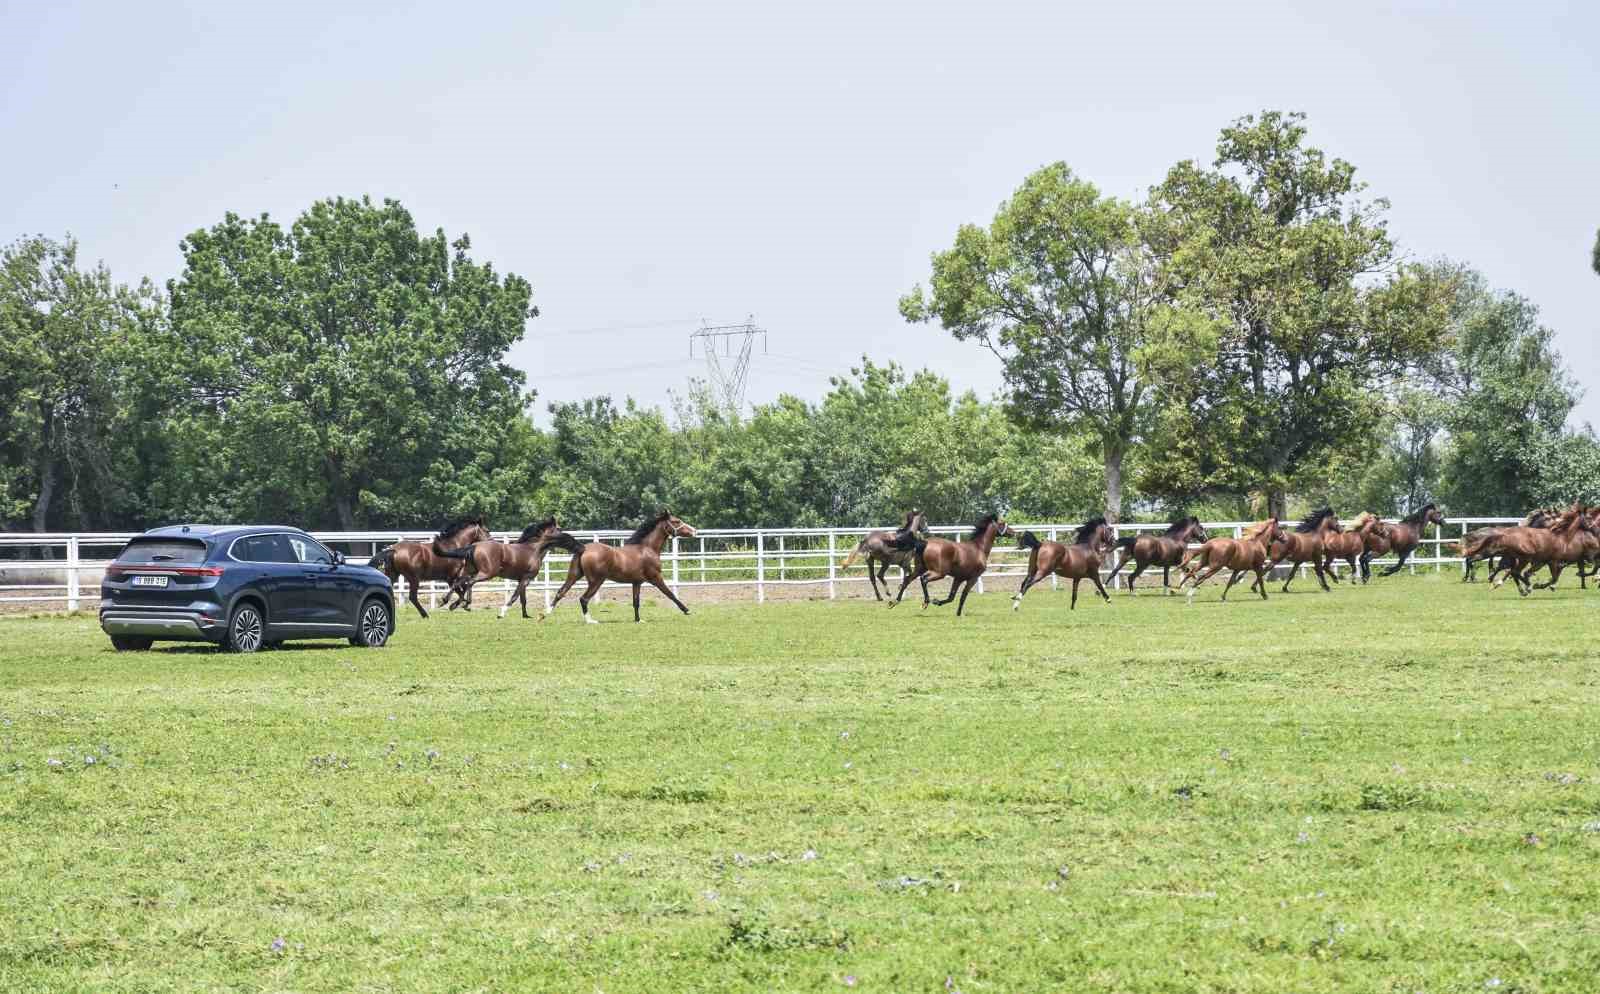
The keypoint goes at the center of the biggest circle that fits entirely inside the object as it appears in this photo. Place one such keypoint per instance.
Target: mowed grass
(1390, 788)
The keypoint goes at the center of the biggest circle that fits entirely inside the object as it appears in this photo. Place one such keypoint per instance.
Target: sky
(652, 166)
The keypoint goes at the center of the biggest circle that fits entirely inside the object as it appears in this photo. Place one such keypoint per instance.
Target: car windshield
(163, 550)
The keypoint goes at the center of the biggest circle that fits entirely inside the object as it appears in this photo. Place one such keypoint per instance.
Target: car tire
(246, 629)
(372, 625)
(131, 643)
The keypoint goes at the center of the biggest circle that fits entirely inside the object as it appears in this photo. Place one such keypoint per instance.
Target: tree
(1595, 259)
(1508, 396)
(337, 369)
(1293, 307)
(1060, 288)
(64, 356)
(611, 468)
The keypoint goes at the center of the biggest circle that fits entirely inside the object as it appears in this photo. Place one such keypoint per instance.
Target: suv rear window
(163, 550)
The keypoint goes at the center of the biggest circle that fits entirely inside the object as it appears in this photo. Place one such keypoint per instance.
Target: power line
(607, 328)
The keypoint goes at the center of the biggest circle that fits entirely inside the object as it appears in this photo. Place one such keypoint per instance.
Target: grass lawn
(1390, 788)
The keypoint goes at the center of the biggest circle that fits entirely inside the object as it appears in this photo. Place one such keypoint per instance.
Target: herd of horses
(464, 554)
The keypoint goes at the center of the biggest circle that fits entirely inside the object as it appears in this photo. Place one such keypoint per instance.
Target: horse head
(1434, 515)
(540, 531)
(677, 527)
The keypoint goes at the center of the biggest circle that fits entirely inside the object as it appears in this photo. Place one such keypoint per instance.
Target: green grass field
(1394, 788)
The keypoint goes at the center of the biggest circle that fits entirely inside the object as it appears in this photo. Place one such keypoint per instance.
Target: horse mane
(645, 529)
(983, 523)
(1310, 522)
(1086, 531)
(459, 525)
(1416, 517)
(532, 531)
(1258, 529)
(1179, 524)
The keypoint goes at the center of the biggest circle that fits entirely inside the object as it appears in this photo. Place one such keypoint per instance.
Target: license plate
(149, 581)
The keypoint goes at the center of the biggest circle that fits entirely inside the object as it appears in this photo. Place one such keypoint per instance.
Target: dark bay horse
(442, 559)
(1246, 554)
(1523, 549)
(1349, 544)
(519, 560)
(890, 548)
(1580, 546)
(638, 562)
(1474, 543)
(963, 562)
(1406, 534)
(1076, 562)
(1304, 545)
(1165, 550)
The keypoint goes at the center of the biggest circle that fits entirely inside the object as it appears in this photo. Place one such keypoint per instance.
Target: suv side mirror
(338, 558)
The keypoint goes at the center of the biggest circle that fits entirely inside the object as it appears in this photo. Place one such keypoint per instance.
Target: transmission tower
(727, 349)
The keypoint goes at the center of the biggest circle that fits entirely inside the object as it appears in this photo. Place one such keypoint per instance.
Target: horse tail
(465, 552)
(1028, 541)
(564, 540)
(383, 558)
(1126, 541)
(854, 554)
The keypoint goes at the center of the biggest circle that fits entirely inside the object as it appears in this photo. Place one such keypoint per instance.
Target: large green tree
(66, 336)
(337, 370)
(1061, 289)
(1294, 311)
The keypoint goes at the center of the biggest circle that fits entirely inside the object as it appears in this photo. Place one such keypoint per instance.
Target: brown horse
(517, 560)
(1246, 554)
(890, 548)
(1305, 545)
(1165, 550)
(1349, 545)
(1522, 549)
(1076, 562)
(1405, 535)
(1474, 544)
(1580, 545)
(442, 559)
(638, 562)
(963, 562)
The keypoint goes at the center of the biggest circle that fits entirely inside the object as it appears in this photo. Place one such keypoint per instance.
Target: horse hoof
(589, 621)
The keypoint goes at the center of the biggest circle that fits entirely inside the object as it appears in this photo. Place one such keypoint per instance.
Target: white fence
(54, 571)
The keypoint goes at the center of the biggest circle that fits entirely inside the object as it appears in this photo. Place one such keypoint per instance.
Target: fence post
(674, 564)
(72, 573)
(761, 568)
(544, 568)
(1438, 550)
(783, 560)
(832, 572)
(1055, 581)
(702, 560)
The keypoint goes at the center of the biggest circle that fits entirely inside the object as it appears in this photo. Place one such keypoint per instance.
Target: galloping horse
(1522, 549)
(1165, 550)
(964, 562)
(440, 559)
(1246, 554)
(1349, 545)
(517, 560)
(890, 548)
(638, 562)
(1305, 545)
(1406, 534)
(1474, 544)
(1076, 562)
(1580, 545)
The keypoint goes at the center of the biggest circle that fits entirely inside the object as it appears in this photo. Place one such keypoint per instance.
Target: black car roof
(203, 532)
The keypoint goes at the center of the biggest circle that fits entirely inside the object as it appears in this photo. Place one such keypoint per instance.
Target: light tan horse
(442, 559)
(1349, 544)
(638, 562)
(1246, 554)
(963, 562)
(1076, 562)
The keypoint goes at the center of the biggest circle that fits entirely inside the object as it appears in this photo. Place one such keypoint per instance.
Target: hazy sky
(650, 165)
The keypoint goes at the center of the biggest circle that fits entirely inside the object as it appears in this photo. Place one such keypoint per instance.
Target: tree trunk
(347, 516)
(1113, 485)
(1277, 503)
(47, 472)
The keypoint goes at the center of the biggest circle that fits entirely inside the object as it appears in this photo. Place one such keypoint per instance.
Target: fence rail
(63, 570)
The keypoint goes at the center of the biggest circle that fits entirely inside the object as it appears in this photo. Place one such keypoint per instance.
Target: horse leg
(1293, 569)
(873, 579)
(1165, 570)
(954, 583)
(573, 576)
(924, 578)
(661, 585)
(1027, 584)
(1555, 574)
(636, 585)
(905, 582)
(1261, 582)
(1392, 570)
(964, 592)
(411, 595)
(1231, 581)
(1139, 568)
(521, 589)
(1213, 571)
(1366, 566)
(1095, 576)
(588, 595)
(1322, 576)
(1074, 605)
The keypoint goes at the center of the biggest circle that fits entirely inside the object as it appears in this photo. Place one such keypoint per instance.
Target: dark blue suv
(242, 587)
